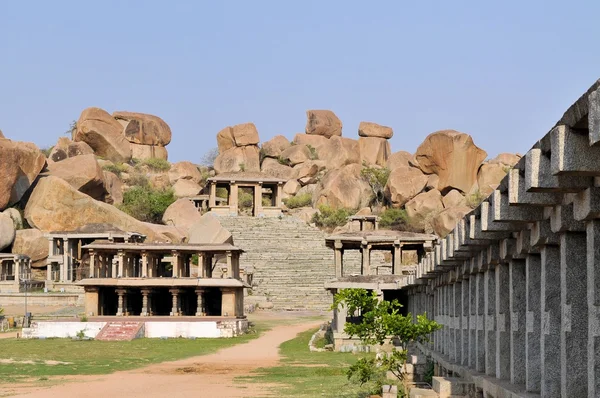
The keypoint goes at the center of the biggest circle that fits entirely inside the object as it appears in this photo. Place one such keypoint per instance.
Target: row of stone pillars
(123, 308)
(104, 265)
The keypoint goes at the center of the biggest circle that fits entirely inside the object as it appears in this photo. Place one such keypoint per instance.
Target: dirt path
(202, 376)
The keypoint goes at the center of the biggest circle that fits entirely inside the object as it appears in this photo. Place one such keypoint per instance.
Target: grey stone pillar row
(551, 314)
(457, 292)
(593, 295)
(472, 321)
(502, 322)
(446, 330)
(533, 323)
(518, 307)
(574, 316)
(490, 321)
(437, 333)
(448, 319)
(480, 330)
(465, 322)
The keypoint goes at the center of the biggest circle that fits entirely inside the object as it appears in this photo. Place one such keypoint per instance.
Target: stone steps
(120, 331)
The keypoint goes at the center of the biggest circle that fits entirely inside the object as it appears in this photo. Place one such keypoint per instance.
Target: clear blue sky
(502, 72)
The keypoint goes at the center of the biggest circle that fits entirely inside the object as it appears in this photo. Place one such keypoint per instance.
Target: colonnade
(516, 285)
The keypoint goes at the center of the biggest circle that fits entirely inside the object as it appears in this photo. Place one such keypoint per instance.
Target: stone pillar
(574, 305)
(121, 302)
(91, 300)
(175, 307)
(533, 322)
(49, 270)
(397, 259)
(480, 330)
(212, 198)
(365, 249)
(176, 270)
(490, 322)
(472, 321)
(144, 264)
(92, 264)
(465, 323)
(338, 255)
(341, 313)
(145, 302)
(121, 260)
(233, 198)
(551, 314)
(228, 302)
(258, 209)
(502, 322)
(64, 271)
(201, 310)
(593, 300)
(518, 306)
(457, 321)
(114, 264)
(229, 265)
(279, 195)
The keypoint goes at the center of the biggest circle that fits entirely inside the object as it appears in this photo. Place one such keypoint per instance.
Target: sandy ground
(203, 376)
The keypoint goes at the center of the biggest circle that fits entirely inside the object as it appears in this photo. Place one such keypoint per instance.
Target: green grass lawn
(310, 374)
(99, 357)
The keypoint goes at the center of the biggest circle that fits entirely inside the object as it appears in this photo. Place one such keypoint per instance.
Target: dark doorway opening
(213, 298)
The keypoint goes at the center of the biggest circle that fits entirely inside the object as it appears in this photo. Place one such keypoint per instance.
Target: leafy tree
(298, 201)
(380, 322)
(377, 179)
(146, 203)
(393, 218)
(329, 217)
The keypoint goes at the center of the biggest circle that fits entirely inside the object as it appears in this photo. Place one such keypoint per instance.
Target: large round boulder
(296, 154)
(83, 173)
(273, 168)
(65, 148)
(54, 205)
(20, 164)
(315, 141)
(275, 146)
(453, 157)
(184, 171)
(240, 135)
(489, 177)
(507, 159)
(7, 231)
(32, 243)
(144, 129)
(236, 159)
(323, 122)
(183, 214)
(454, 199)
(403, 184)
(113, 187)
(369, 129)
(446, 220)
(399, 159)
(139, 151)
(340, 152)
(374, 151)
(424, 206)
(104, 134)
(344, 188)
(208, 230)
(186, 188)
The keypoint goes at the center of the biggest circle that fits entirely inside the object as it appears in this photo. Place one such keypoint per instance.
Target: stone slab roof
(163, 282)
(163, 247)
(245, 177)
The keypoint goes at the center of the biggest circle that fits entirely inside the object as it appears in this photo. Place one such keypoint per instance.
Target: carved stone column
(175, 307)
(201, 310)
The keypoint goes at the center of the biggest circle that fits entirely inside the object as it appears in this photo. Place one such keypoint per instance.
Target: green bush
(222, 193)
(138, 180)
(245, 199)
(116, 168)
(377, 179)
(314, 155)
(146, 203)
(266, 202)
(154, 164)
(283, 161)
(475, 199)
(294, 202)
(393, 218)
(328, 217)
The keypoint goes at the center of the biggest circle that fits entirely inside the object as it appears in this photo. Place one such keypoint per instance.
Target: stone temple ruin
(516, 283)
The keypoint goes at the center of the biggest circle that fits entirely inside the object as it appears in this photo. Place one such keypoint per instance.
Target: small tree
(377, 179)
(208, 159)
(380, 323)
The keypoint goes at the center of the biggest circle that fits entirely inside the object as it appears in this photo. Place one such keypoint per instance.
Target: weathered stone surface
(186, 188)
(432, 182)
(340, 152)
(32, 243)
(148, 152)
(171, 233)
(424, 205)
(225, 139)
(446, 220)
(114, 188)
(344, 187)
(184, 171)
(144, 129)
(323, 122)
(296, 154)
(182, 214)
(275, 146)
(103, 134)
(315, 141)
(160, 181)
(65, 148)
(7, 231)
(291, 187)
(369, 129)
(404, 184)
(83, 173)
(305, 214)
(209, 230)
(240, 135)
(508, 159)
(453, 157)
(310, 168)
(273, 168)
(374, 151)
(399, 159)
(20, 164)
(1, 134)
(489, 177)
(55, 205)
(454, 199)
(16, 217)
(234, 159)
(365, 211)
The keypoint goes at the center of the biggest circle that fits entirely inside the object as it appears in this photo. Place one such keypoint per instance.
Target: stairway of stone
(121, 331)
(289, 259)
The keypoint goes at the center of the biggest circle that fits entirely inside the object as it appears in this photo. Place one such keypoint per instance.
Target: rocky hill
(115, 158)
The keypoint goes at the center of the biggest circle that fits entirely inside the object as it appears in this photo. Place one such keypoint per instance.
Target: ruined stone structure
(388, 283)
(516, 283)
(266, 193)
(14, 269)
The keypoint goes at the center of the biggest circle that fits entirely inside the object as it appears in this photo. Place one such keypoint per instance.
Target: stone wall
(41, 299)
